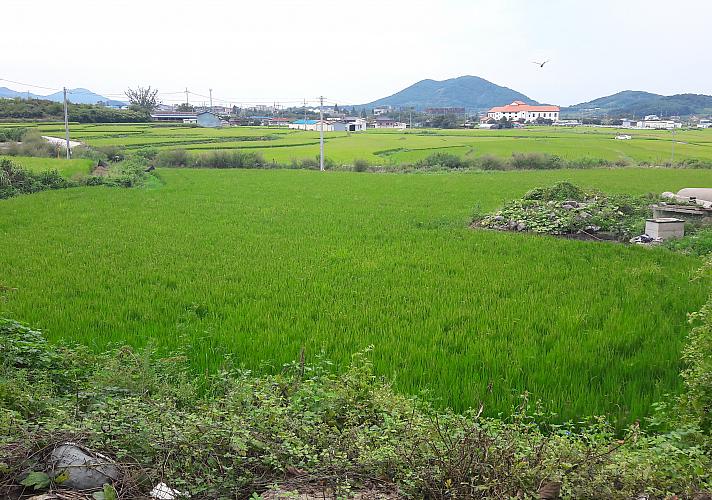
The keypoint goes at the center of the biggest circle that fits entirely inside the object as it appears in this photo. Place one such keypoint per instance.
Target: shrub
(16, 180)
(443, 160)
(112, 153)
(12, 134)
(34, 145)
(535, 161)
(360, 165)
(491, 162)
(173, 158)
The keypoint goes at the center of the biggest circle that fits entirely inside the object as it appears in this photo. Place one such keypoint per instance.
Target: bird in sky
(540, 64)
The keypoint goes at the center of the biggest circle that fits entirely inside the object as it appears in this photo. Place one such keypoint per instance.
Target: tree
(185, 107)
(142, 99)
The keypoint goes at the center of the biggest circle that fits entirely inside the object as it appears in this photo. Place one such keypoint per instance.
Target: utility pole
(305, 114)
(211, 100)
(672, 155)
(410, 115)
(66, 123)
(186, 96)
(321, 133)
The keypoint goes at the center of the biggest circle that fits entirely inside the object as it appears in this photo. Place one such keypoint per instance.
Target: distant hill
(470, 92)
(77, 96)
(632, 103)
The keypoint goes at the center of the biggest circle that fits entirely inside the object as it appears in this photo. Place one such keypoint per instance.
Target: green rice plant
(252, 266)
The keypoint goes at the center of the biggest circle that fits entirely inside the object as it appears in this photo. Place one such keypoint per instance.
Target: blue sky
(358, 51)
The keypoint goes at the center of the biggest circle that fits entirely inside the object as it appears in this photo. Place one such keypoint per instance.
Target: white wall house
(313, 125)
(659, 124)
(519, 110)
(389, 123)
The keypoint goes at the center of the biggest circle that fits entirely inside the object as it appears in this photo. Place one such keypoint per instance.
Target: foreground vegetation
(257, 265)
(306, 429)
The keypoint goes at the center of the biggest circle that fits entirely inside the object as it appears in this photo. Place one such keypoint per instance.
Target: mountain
(633, 103)
(12, 94)
(470, 92)
(76, 96)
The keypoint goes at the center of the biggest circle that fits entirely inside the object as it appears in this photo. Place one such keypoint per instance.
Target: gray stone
(584, 215)
(87, 470)
(512, 225)
(572, 203)
(566, 206)
(522, 226)
(498, 218)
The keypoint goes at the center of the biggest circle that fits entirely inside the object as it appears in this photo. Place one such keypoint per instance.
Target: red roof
(518, 106)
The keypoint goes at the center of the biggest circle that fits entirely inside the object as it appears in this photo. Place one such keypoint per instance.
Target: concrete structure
(350, 124)
(382, 110)
(658, 124)
(208, 119)
(189, 121)
(445, 111)
(278, 122)
(624, 137)
(172, 116)
(519, 110)
(704, 123)
(313, 125)
(665, 228)
(389, 123)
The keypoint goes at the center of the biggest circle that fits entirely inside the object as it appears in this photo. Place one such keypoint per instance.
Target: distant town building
(389, 123)
(445, 111)
(658, 124)
(382, 110)
(278, 122)
(208, 119)
(519, 110)
(704, 123)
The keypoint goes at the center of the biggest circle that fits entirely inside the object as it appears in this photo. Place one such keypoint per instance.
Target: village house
(519, 110)
(310, 125)
(208, 119)
(389, 123)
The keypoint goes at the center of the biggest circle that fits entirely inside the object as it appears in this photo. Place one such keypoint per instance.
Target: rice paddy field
(389, 147)
(253, 265)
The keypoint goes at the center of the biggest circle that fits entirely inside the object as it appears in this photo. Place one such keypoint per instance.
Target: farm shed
(208, 119)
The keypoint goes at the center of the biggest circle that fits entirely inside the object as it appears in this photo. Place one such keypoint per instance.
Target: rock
(571, 203)
(87, 470)
(566, 206)
(644, 239)
(585, 215)
(164, 492)
(592, 229)
(512, 225)
(498, 218)
(521, 226)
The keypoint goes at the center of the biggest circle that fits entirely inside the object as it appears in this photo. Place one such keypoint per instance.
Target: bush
(173, 158)
(491, 162)
(34, 145)
(16, 180)
(535, 161)
(443, 160)
(360, 165)
(112, 153)
(12, 134)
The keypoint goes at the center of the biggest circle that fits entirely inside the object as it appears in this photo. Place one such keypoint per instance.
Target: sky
(355, 51)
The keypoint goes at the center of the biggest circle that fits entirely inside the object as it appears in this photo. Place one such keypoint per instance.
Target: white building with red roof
(519, 110)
